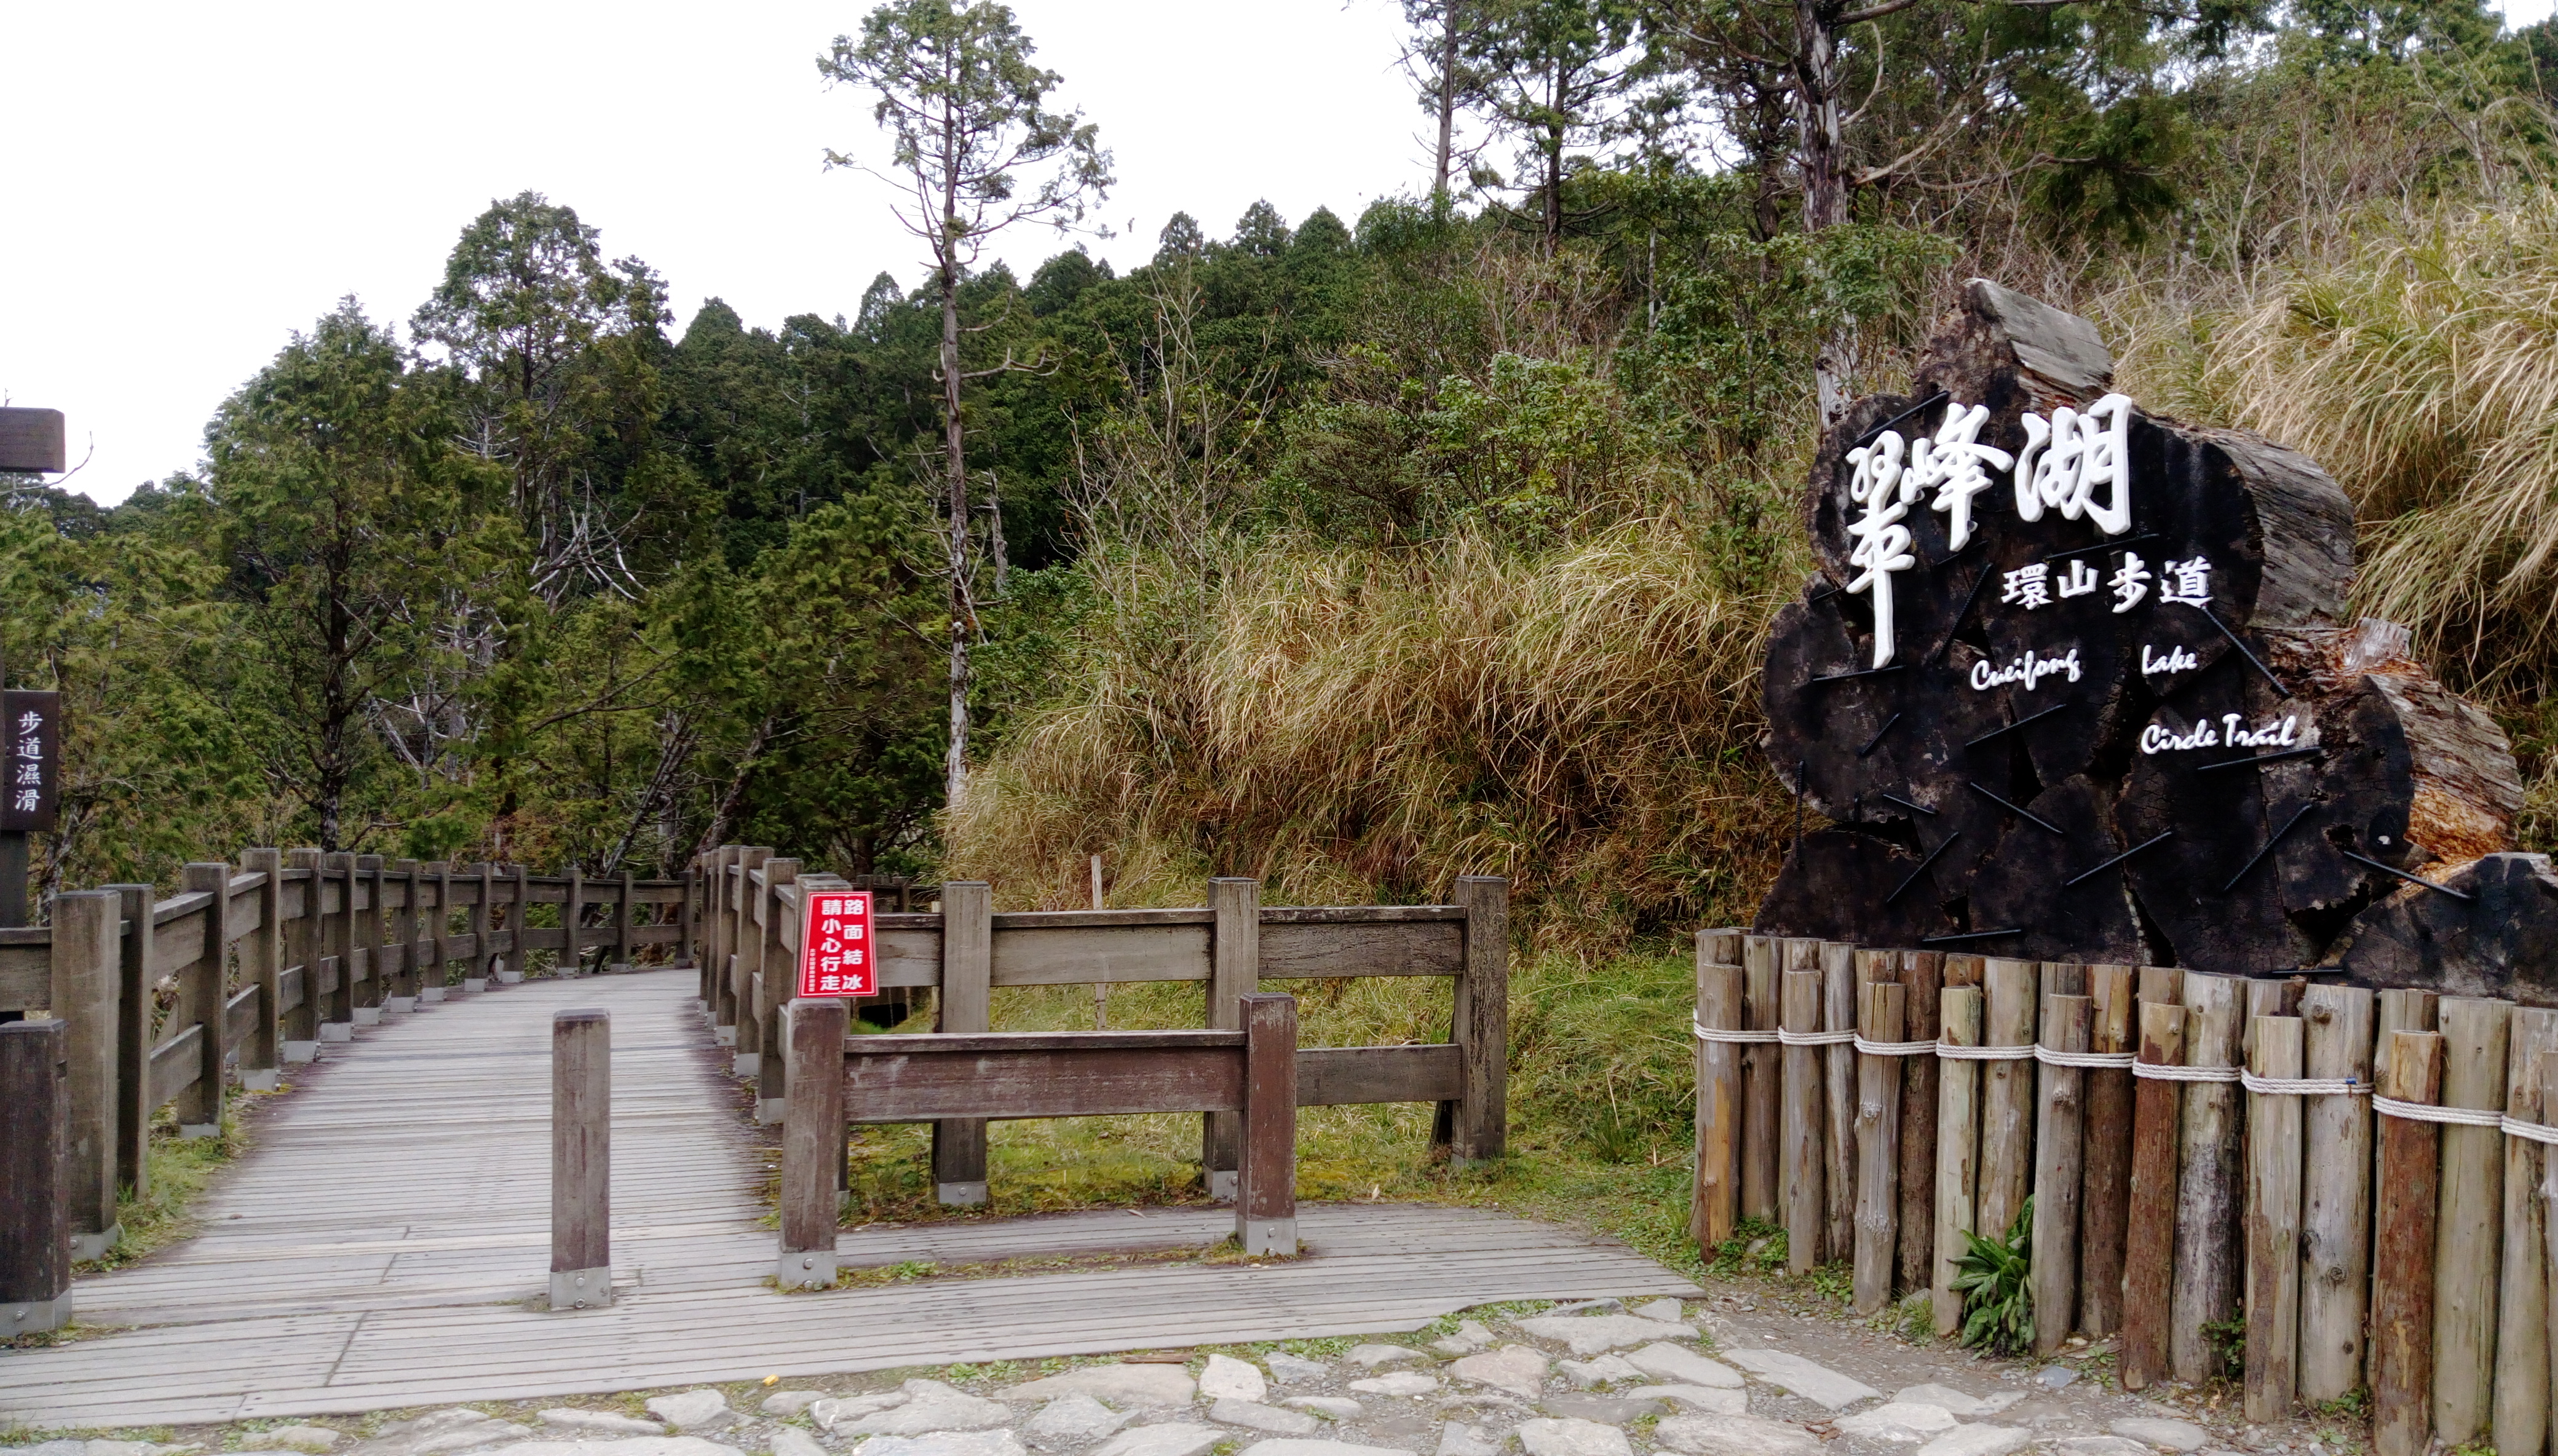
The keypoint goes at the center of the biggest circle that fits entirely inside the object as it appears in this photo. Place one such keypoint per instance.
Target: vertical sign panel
(32, 762)
(835, 946)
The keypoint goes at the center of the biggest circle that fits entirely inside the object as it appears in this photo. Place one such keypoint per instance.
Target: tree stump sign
(2075, 681)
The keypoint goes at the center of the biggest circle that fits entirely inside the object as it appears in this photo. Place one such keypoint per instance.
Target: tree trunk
(1447, 99)
(954, 453)
(1823, 167)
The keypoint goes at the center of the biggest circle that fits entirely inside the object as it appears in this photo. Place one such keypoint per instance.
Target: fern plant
(1995, 1278)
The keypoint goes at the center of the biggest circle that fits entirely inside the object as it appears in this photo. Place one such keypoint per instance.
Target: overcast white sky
(193, 181)
(208, 178)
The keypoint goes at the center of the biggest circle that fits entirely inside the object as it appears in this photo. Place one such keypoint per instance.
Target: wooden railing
(965, 951)
(258, 963)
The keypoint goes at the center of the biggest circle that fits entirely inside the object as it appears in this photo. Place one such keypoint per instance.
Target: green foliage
(1994, 1276)
(2226, 1339)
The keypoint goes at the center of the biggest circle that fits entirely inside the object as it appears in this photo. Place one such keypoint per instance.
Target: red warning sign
(835, 946)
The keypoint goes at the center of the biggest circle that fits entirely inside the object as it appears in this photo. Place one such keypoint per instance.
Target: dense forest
(1355, 552)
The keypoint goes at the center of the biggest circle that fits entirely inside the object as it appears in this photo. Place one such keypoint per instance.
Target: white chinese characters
(2069, 457)
(1882, 542)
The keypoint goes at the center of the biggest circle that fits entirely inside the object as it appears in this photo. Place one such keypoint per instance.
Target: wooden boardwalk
(386, 1244)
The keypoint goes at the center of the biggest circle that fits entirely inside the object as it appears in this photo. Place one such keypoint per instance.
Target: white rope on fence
(2428, 1112)
(2536, 1131)
(2303, 1087)
(2050, 1058)
(2158, 1072)
(1896, 1049)
(1705, 1033)
(1954, 1053)
(1815, 1038)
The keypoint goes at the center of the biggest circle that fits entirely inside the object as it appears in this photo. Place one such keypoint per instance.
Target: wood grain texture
(1332, 1077)
(1958, 1130)
(2336, 1195)
(2519, 1414)
(968, 952)
(1715, 1206)
(1234, 973)
(2273, 1231)
(85, 995)
(581, 1140)
(1265, 1197)
(1760, 957)
(1878, 1151)
(2210, 1198)
(2007, 1095)
(813, 1128)
(35, 1161)
(1800, 1118)
(2058, 1168)
(2106, 1191)
(1839, 981)
(2149, 1228)
(1923, 978)
(2402, 1273)
(1291, 948)
(2470, 1222)
(1482, 1020)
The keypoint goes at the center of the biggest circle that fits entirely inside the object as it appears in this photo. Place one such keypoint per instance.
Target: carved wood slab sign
(2077, 682)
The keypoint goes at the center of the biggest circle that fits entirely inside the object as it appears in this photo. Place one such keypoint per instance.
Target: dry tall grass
(1355, 724)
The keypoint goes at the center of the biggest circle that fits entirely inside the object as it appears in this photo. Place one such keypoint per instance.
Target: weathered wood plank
(908, 1087)
(1799, 1167)
(2209, 1201)
(2058, 1168)
(1330, 1076)
(2273, 1233)
(2402, 1274)
(2335, 1205)
(581, 1159)
(174, 1065)
(2472, 1218)
(1878, 1151)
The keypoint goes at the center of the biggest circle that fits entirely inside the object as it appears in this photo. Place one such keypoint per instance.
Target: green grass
(1600, 1109)
(176, 1171)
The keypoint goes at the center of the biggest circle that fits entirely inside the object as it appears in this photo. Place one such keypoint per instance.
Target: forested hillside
(1351, 551)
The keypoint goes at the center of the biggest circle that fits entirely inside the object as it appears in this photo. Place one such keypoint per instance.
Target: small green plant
(1915, 1318)
(1833, 1281)
(2227, 1342)
(907, 1270)
(2353, 1405)
(1755, 1248)
(1994, 1276)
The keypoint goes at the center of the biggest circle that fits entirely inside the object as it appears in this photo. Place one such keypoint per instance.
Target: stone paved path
(385, 1246)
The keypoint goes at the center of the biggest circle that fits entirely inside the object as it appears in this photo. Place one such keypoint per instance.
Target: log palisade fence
(251, 967)
(2319, 1163)
(964, 951)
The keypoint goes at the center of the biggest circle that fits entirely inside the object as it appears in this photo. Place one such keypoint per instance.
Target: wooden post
(1265, 1199)
(435, 937)
(2058, 1169)
(1717, 1204)
(686, 929)
(367, 885)
(299, 1028)
(572, 957)
(622, 925)
(1234, 973)
(335, 928)
(262, 965)
(1481, 1130)
(2273, 1223)
(2545, 1075)
(84, 991)
(2470, 1222)
(812, 1141)
(2521, 1404)
(131, 996)
(761, 957)
(2399, 1010)
(34, 1173)
(1958, 1126)
(2106, 1199)
(1922, 976)
(2402, 1267)
(714, 957)
(2208, 1198)
(475, 975)
(2149, 1233)
(520, 923)
(581, 1160)
(2007, 1096)
(201, 994)
(1839, 982)
(399, 939)
(968, 952)
(1878, 1151)
(2336, 1193)
(1760, 969)
(1799, 1163)
(774, 980)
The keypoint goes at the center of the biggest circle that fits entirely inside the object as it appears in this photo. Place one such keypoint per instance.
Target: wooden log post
(2336, 1193)
(1715, 1206)
(1234, 973)
(407, 979)
(1714, 1199)
(484, 925)
(1922, 979)
(760, 946)
(581, 1160)
(1761, 966)
(2058, 1167)
(334, 881)
(2399, 1010)
(968, 952)
(1840, 980)
(2544, 1072)
(85, 992)
(2149, 1231)
(622, 907)
(439, 941)
(260, 1054)
(1958, 1130)
(1878, 1151)
(2470, 1221)
(812, 1142)
(2520, 1408)
(687, 928)
(715, 927)
(2273, 1231)
(572, 957)
(519, 925)
(34, 1175)
(202, 994)
(733, 939)
(299, 1027)
(2209, 1204)
(771, 985)
(134, 1011)
(1802, 1114)
(2105, 1197)
(2007, 1096)
(371, 958)
(1265, 1196)
(2406, 1206)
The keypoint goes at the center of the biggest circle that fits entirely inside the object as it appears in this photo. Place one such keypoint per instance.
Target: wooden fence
(251, 967)
(2199, 1149)
(964, 952)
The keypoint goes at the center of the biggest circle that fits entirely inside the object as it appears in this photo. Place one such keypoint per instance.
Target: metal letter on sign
(836, 952)
(34, 760)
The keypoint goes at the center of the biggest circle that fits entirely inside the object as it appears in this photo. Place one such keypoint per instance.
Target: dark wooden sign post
(32, 442)
(2077, 682)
